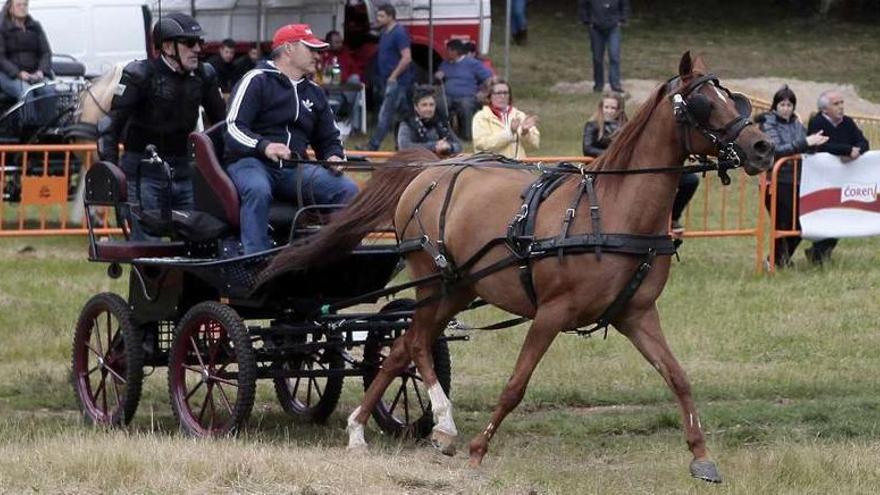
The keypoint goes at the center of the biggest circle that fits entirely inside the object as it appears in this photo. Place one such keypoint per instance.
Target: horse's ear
(686, 66)
(699, 67)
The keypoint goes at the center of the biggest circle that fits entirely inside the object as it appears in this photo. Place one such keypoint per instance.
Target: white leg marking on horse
(442, 408)
(691, 419)
(355, 432)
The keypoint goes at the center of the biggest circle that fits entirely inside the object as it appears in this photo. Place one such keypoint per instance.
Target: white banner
(839, 199)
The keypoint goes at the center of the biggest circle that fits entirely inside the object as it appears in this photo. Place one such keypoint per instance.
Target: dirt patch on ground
(758, 87)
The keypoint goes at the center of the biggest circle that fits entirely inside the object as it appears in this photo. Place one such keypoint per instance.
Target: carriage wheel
(404, 410)
(107, 367)
(312, 399)
(212, 371)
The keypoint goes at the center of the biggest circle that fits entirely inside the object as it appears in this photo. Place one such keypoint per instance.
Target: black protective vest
(153, 104)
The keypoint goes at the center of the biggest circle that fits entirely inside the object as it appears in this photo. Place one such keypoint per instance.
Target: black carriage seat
(106, 186)
(213, 190)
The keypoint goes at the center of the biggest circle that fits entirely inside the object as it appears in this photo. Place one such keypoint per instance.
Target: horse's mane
(619, 153)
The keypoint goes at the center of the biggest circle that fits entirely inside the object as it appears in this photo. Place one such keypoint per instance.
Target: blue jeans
(154, 190)
(40, 107)
(599, 40)
(394, 102)
(258, 183)
(518, 16)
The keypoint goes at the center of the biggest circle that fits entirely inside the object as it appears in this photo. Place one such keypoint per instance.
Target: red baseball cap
(292, 33)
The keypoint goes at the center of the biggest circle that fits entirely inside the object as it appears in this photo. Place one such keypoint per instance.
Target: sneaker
(366, 147)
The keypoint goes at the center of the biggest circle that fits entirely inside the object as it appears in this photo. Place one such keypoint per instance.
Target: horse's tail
(373, 207)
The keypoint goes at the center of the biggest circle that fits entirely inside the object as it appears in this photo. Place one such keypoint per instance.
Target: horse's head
(716, 121)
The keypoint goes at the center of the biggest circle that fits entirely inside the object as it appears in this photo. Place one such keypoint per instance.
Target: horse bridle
(693, 109)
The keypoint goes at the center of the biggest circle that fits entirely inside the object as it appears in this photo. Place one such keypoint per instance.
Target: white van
(98, 33)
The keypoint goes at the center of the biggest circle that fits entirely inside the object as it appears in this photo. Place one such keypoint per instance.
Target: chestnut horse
(691, 114)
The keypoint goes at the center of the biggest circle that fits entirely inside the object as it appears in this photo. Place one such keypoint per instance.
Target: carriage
(197, 310)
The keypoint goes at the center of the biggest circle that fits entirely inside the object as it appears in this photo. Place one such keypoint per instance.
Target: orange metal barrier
(35, 184)
(771, 187)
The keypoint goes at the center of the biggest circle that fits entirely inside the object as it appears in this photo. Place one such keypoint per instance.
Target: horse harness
(691, 109)
(524, 248)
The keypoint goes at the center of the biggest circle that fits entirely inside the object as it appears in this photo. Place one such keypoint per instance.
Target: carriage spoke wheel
(212, 371)
(405, 409)
(312, 399)
(107, 367)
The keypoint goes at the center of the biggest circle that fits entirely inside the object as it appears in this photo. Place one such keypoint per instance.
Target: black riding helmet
(176, 26)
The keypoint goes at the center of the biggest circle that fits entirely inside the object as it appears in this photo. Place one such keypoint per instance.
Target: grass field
(783, 368)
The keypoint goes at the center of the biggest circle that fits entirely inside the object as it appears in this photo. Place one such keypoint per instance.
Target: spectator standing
(275, 113)
(783, 126)
(845, 140)
(500, 128)
(157, 102)
(25, 60)
(426, 128)
(605, 18)
(247, 62)
(462, 77)
(518, 23)
(470, 49)
(604, 125)
(223, 63)
(394, 72)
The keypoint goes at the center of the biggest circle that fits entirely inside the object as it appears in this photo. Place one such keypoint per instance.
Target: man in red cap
(275, 113)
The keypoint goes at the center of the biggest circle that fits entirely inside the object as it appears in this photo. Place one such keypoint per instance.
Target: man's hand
(37, 76)
(855, 153)
(277, 151)
(24, 75)
(439, 75)
(335, 169)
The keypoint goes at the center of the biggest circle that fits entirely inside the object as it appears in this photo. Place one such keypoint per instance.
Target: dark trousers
(463, 108)
(786, 206)
(600, 39)
(154, 193)
(687, 186)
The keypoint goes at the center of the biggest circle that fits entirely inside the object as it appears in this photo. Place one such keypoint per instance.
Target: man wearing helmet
(157, 103)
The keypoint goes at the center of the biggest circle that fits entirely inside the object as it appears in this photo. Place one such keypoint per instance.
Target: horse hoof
(705, 470)
(475, 461)
(443, 442)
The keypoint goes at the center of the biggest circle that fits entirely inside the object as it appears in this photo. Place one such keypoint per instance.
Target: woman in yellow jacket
(501, 128)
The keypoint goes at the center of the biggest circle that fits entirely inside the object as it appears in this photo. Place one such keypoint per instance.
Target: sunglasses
(191, 42)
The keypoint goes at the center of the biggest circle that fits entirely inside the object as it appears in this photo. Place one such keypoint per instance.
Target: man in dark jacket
(275, 113)
(845, 140)
(605, 17)
(157, 103)
(223, 63)
(25, 60)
